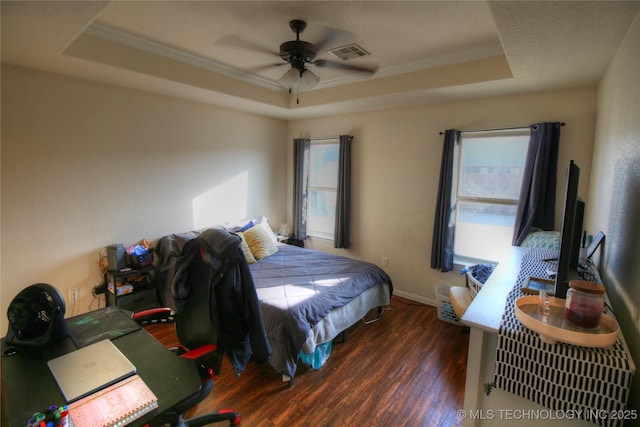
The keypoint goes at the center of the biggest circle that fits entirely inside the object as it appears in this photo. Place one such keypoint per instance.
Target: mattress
(308, 297)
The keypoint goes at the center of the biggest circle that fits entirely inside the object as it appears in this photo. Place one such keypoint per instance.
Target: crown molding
(128, 39)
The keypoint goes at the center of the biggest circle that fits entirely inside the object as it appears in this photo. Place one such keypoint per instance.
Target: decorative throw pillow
(260, 242)
(542, 240)
(264, 222)
(245, 249)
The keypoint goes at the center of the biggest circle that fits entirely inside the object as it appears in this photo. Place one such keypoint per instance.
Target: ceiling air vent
(349, 51)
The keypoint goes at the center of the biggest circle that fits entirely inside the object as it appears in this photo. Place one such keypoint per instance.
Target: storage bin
(445, 310)
(473, 284)
(317, 359)
(139, 300)
(140, 261)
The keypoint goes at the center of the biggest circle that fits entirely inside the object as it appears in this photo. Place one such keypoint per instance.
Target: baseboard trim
(414, 297)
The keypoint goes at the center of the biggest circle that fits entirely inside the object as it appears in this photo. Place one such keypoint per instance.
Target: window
(487, 188)
(323, 182)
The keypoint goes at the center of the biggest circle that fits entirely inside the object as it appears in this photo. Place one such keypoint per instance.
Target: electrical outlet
(74, 294)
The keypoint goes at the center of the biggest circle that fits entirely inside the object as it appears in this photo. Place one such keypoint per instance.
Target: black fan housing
(36, 316)
(299, 53)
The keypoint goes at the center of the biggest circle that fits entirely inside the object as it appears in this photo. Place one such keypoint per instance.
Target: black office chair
(206, 354)
(217, 306)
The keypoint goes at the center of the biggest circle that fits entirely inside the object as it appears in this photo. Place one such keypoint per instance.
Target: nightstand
(282, 239)
(290, 240)
(132, 289)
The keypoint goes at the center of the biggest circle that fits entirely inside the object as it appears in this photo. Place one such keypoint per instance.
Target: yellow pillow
(245, 248)
(260, 242)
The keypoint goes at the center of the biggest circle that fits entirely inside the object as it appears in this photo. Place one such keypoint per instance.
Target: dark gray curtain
(537, 204)
(444, 223)
(300, 180)
(342, 235)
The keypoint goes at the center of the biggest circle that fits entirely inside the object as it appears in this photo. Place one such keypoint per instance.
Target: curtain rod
(497, 129)
(324, 139)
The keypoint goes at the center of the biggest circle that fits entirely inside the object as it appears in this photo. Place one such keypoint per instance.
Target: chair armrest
(197, 353)
(154, 315)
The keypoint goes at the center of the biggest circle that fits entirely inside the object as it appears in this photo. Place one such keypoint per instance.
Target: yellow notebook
(118, 404)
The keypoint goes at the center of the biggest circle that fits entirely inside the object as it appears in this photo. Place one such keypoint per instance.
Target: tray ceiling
(424, 51)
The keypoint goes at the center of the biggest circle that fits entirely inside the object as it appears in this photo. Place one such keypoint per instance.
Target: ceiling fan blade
(331, 37)
(265, 67)
(329, 40)
(235, 42)
(340, 66)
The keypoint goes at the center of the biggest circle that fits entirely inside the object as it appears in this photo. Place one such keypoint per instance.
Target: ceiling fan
(299, 54)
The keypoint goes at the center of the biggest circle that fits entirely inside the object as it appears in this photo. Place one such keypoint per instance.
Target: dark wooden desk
(28, 386)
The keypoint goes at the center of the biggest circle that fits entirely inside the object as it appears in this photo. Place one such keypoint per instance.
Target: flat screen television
(571, 231)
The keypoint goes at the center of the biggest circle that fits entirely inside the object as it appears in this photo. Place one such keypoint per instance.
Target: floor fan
(36, 316)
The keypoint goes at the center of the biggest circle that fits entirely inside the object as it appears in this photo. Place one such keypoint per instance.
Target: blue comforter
(298, 287)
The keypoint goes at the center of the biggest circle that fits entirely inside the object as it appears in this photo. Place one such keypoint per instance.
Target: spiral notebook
(118, 404)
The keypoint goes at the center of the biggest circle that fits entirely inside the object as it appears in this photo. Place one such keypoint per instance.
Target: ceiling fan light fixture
(297, 81)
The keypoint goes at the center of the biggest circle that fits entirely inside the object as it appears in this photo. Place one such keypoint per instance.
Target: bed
(307, 297)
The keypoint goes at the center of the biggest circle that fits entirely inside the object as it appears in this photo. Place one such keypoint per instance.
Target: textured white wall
(396, 163)
(85, 165)
(615, 190)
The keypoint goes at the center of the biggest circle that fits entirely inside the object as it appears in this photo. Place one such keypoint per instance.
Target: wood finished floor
(408, 369)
